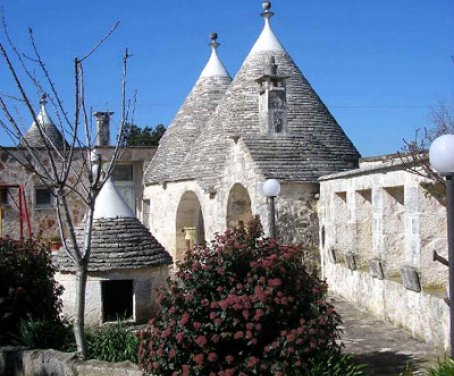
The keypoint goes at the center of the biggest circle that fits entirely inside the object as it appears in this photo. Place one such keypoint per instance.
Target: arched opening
(239, 210)
(190, 229)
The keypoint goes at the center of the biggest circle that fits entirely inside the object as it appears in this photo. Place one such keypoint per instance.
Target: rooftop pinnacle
(267, 41)
(214, 67)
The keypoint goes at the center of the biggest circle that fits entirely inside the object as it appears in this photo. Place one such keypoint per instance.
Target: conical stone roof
(314, 144)
(52, 134)
(119, 240)
(190, 121)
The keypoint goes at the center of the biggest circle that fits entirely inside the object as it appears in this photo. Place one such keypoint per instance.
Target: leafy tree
(136, 136)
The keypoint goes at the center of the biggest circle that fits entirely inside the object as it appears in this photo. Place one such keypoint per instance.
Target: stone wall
(18, 361)
(380, 226)
(146, 281)
(296, 215)
(43, 218)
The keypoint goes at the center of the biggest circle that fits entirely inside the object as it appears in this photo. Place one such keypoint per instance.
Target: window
(117, 300)
(43, 198)
(123, 173)
(3, 196)
(123, 177)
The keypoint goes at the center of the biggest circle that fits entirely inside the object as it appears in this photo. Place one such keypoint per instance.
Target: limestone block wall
(145, 283)
(297, 220)
(383, 213)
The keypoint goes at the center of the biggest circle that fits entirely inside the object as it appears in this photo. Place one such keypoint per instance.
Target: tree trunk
(79, 321)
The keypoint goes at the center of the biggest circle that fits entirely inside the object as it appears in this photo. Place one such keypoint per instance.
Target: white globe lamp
(271, 188)
(441, 154)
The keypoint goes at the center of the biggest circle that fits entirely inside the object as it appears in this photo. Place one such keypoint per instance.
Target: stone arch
(239, 208)
(190, 229)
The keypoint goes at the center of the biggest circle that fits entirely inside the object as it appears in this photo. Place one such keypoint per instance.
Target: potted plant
(55, 243)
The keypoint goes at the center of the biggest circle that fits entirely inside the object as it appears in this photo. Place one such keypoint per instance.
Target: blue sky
(378, 65)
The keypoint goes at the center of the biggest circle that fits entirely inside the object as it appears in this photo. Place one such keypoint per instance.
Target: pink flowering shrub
(244, 306)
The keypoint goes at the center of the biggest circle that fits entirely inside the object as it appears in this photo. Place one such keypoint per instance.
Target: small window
(3, 196)
(43, 198)
(123, 173)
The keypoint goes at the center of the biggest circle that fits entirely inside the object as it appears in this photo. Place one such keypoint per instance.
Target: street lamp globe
(441, 154)
(271, 188)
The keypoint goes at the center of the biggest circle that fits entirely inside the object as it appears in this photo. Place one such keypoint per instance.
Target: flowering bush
(243, 306)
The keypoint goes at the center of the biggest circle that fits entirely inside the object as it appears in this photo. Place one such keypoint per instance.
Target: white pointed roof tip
(267, 41)
(110, 204)
(214, 67)
(43, 118)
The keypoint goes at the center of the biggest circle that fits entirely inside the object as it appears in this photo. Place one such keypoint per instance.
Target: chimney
(103, 128)
(272, 100)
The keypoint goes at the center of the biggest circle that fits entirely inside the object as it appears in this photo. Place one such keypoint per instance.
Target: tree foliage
(148, 136)
(28, 290)
(243, 306)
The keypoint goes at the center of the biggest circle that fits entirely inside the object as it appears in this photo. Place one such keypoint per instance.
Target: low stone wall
(18, 361)
(424, 315)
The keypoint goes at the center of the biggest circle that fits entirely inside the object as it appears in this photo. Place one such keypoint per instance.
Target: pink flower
(179, 337)
(252, 361)
(197, 325)
(229, 359)
(275, 282)
(201, 341)
(172, 353)
(199, 358)
(184, 319)
(212, 315)
(239, 334)
(212, 357)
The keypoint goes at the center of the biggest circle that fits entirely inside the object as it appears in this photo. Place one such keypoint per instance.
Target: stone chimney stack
(103, 128)
(272, 100)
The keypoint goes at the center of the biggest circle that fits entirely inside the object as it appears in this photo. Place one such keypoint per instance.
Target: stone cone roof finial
(267, 40)
(214, 67)
(34, 138)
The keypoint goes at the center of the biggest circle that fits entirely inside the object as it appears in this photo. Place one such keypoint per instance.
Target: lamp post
(271, 189)
(441, 156)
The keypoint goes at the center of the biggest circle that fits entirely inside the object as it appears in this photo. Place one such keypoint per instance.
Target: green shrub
(443, 368)
(243, 306)
(112, 343)
(28, 290)
(43, 334)
(336, 365)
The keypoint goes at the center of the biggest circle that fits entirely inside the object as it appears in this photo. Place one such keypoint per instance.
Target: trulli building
(229, 136)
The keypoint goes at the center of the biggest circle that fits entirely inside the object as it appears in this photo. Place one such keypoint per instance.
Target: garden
(243, 305)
